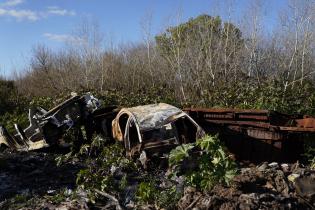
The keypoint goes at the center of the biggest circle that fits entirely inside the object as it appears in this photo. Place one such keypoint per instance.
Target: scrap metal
(47, 127)
(258, 135)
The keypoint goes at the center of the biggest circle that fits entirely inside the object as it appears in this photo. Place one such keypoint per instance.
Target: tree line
(204, 62)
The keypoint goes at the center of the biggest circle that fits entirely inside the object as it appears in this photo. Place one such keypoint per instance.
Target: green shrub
(213, 165)
(146, 192)
(149, 192)
(168, 198)
(308, 157)
(8, 120)
(98, 175)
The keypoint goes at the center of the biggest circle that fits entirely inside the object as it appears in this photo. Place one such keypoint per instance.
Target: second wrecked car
(48, 126)
(153, 130)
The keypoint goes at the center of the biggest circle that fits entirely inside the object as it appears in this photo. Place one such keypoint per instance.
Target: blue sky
(26, 23)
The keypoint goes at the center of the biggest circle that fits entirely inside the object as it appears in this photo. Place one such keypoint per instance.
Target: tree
(201, 52)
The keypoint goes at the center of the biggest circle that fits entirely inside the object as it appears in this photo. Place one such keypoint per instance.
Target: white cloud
(62, 38)
(11, 3)
(7, 9)
(19, 14)
(53, 10)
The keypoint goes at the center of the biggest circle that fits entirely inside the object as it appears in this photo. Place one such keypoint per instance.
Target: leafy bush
(146, 192)
(99, 171)
(8, 96)
(312, 163)
(308, 157)
(44, 102)
(168, 198)
(145, 95)
(8, 120)
(212, 164)
(102, 162)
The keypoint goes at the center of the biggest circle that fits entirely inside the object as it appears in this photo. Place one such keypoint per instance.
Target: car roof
(153, 115)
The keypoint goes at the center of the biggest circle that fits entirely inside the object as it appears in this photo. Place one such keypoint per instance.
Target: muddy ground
(34, 181)
(25, 175)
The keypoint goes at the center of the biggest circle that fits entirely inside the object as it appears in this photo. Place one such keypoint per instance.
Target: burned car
(47, 127)
(153, 130)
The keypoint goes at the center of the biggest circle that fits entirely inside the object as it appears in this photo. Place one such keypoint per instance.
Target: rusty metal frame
(258, 135)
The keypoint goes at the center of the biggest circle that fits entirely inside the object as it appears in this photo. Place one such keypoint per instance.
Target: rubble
(35, 175)
(253, 188)
(305, 185)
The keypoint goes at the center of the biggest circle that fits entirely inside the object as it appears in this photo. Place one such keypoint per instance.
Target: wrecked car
(47, 127)
(153, 130)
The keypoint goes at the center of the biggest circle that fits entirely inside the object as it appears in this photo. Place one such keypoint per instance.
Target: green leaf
(180, 153)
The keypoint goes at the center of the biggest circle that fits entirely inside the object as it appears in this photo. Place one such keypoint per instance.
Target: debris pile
(268, 186)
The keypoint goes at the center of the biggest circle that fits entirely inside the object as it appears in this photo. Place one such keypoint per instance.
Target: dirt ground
(33, 181)
(33, 174)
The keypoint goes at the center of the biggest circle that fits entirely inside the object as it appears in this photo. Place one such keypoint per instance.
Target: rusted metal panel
(258, 135)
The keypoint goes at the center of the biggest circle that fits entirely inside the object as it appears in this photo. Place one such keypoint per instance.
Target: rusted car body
(258, 135)
(153, 130)
(47, 127)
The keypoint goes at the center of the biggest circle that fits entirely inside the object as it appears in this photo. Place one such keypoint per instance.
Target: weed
(212, 164)
(146, 192)
(168, 198)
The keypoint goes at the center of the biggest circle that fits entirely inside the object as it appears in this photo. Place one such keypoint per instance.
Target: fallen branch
(115, 200)
(306, 201)
(193, 203)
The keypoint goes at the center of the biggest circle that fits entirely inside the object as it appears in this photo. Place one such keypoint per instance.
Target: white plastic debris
(273, 165)
(285, 167)
(51, 191)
